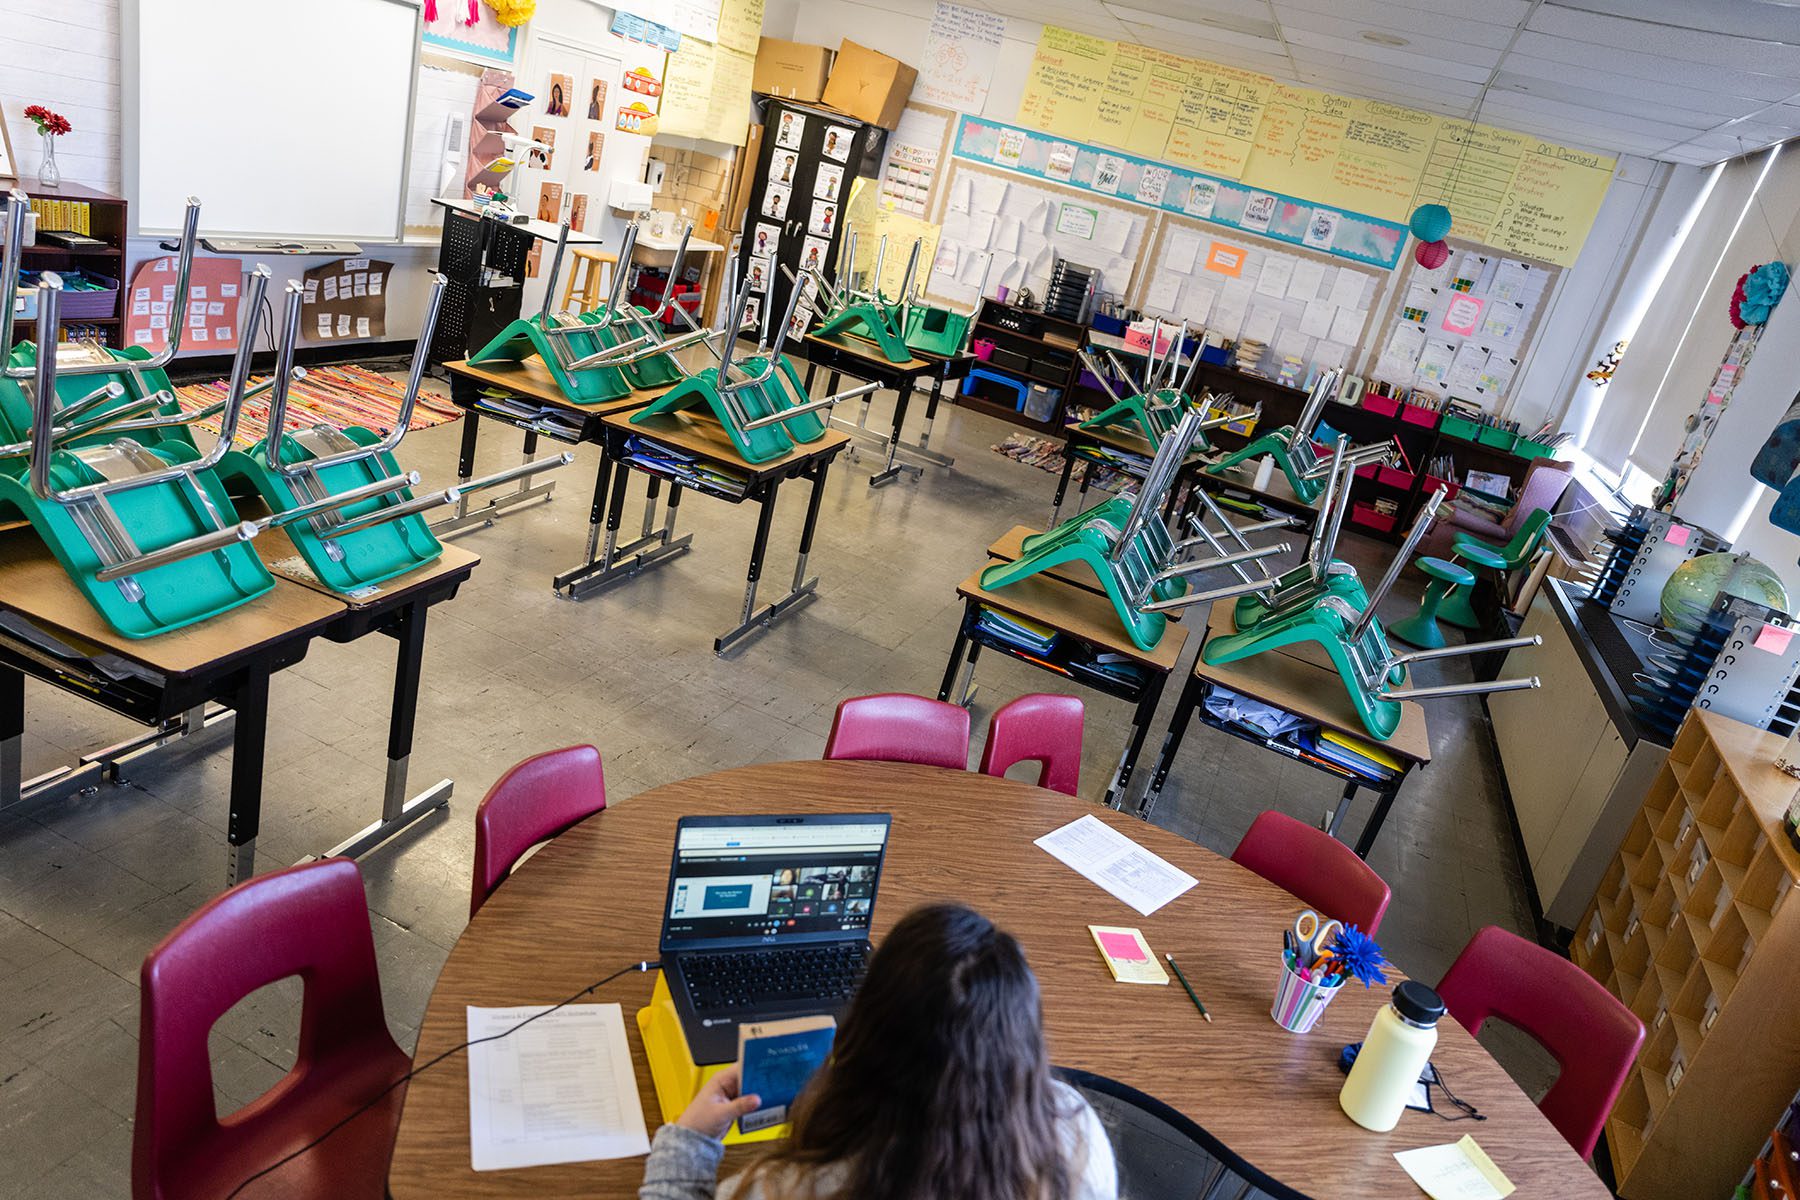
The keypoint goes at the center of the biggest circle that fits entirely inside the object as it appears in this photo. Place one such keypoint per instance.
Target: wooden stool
(1421, 629)
(1459, 610)
(583, 283)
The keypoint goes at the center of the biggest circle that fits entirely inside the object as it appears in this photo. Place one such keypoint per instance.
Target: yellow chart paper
(1067, 79)
(706, 93)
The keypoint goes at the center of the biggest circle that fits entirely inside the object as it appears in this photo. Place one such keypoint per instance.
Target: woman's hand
(718, 1105)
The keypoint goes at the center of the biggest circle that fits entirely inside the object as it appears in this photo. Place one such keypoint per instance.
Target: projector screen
(288, 121)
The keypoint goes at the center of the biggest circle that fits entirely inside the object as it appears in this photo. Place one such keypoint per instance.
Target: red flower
(47, 122)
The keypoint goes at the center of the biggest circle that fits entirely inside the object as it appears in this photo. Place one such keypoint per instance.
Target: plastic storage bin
(1386, 406)
(983, 348)
(1418, 414)
(1115, 326)
(1530, 449)
(1040, 402)
(1458, 427)
(1366, 516)
(90, 304)
(1014, 389)
(1447, 486)
(1498, 438)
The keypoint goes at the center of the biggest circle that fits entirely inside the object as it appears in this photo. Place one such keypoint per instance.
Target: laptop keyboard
(745, 978)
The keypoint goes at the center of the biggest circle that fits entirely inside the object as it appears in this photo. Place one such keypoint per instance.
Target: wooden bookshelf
(1691, 927)
(109, 219)
(1032, 347)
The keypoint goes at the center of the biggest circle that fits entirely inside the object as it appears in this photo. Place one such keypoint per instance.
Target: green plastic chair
(1482, 555)
(1421, 629)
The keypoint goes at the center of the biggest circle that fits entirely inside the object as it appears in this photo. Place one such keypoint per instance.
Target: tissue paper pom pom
(1430, 222)
(513, 12)
(1431, 255)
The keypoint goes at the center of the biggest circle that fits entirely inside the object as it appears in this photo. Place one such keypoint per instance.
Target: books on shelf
(76, 216)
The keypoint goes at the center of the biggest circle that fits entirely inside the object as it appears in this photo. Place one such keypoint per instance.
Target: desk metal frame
(1146, 695)
(464, 392)
(1191, 704)
(176, 707)
(899, 379)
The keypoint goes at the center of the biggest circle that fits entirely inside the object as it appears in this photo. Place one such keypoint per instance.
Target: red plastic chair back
(532, 803)
(1037, 728)
(1315, 867)
(897, 727)
(1591, 1034)
(311, 921)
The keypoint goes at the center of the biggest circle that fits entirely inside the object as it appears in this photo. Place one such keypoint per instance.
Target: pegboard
(1464, 329)
(1224, 281)
(1015, 228)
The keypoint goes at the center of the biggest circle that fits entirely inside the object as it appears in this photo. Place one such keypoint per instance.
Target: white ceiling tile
(1249, 17)
(1625, 90)
(1483, 22)
(1779, 21)
(1348, 34)
(1154, 30)
(1599, 104)
(1741, 82)
(1551, 107)
(1404, 59)
(1377, 75)
(1670, 41)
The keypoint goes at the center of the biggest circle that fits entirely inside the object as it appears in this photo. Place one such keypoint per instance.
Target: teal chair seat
(1458, 608)
(1421, 629)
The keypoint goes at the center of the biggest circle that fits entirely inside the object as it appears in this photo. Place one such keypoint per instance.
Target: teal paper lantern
(1430, 223)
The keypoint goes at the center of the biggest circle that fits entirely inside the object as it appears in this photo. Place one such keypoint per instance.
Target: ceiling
(1687, 81)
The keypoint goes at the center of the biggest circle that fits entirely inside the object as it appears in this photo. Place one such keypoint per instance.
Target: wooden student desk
(862, 359)
(167, 681)
(1278, 496)
(591, 902)
(1089, 446)
(705, 441)
(1301, 680)
(1088, 627)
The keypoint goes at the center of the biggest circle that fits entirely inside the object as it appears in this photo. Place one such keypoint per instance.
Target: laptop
(767, 917)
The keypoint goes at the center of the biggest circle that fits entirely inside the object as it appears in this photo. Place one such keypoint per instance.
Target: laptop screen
(774, 877)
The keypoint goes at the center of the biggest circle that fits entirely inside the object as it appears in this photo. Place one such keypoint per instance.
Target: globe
(1696, 582)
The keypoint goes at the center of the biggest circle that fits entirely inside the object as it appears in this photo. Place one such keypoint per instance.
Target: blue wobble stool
(1421, 629)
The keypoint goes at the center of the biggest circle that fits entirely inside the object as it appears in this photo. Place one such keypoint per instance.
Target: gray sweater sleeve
(683, 1165)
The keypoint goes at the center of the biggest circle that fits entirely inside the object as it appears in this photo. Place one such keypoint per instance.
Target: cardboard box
(791, 70)
(744, 175)
(868, 85)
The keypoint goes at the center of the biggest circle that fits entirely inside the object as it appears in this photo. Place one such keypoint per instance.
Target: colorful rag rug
(343, 395)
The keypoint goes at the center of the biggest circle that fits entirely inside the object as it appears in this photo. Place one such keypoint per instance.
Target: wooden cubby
(1691, 928)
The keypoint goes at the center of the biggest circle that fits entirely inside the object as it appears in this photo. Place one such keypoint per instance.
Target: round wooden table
(591, 902)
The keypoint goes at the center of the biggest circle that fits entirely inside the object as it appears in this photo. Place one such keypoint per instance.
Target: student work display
(1509, 190)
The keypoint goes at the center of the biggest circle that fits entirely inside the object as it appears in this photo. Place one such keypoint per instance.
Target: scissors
(1314, 934)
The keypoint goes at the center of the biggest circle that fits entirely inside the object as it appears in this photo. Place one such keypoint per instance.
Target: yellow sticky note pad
(1127, 955)
(1456, 1171)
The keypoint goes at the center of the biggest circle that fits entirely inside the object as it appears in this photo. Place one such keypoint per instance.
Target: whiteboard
(285, 121)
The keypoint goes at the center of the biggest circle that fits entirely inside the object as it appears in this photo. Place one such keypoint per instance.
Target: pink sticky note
(1774, 639)
(1122, 946)
(1677, 535)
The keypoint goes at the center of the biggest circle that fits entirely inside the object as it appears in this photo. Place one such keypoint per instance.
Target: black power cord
(420, 1070)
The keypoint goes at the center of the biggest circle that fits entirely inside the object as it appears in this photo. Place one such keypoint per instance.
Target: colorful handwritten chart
(1142, 180)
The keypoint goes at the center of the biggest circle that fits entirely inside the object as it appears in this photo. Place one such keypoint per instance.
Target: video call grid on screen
(753, 888)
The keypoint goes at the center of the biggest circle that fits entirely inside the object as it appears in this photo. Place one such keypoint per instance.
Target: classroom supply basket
(1299, 1003)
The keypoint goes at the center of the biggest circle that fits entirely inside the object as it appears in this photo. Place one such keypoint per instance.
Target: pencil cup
(1298, 1003)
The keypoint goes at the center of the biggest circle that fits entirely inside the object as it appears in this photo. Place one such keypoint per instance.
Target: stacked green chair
(1130, 550)
(1292, 448)
(1155, 401)
(870, 314)
(344, 501)
(761, 404)
(1354, 641)
(1483, 555)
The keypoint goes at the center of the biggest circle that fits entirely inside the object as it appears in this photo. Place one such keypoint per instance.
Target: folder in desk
(1017, 631)
(672, 1068)
(1350, 753)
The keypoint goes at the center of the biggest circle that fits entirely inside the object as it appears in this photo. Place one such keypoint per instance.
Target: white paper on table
(1164, 293)
(1455, 1171)
(1316, 320)
(1347, 325)
(1184, 244)
(1307, 276)
(1277, 269)
(1116, 864)
(1261, 324)
(558, 1090)
(1466, 367)
(1198, 302)
(1347, 289)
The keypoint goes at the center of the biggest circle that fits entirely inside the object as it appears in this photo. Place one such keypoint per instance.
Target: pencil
(1189, 989)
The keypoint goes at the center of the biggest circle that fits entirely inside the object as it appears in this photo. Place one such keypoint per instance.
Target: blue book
(777, 1059)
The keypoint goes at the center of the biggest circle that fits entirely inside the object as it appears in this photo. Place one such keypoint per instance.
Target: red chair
(896, 727)
(1037, 728)
(1591, 1034)
(532, 803)
(311, 921)
(1316, 867)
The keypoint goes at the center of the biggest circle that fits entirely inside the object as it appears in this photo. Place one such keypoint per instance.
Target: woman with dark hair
(938, 1088)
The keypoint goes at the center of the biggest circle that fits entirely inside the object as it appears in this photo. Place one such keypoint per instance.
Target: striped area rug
(342, 395)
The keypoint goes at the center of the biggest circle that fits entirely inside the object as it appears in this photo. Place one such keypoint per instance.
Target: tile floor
(89, 882)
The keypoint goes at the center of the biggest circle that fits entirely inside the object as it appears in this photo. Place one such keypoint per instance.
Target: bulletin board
(1308, 309)
(914, 157)
(1014, 230)
(1463, 329)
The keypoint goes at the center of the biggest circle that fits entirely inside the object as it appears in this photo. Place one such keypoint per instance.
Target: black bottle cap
(1418, 1003)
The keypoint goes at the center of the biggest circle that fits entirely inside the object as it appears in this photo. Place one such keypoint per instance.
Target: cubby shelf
(1690, 929)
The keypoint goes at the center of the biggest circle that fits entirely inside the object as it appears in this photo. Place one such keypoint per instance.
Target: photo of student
(558, 104)
(596, 99)
(781, 897)
(767, 238)
(784, 876)
(941, 1050)
(596, 142)
(550, 202)
(856, 908)
(541, 159)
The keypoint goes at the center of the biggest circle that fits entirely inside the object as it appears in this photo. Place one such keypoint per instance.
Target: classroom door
(577, 94)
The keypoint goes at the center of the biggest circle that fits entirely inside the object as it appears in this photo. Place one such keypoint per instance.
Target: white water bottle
(1393, 1056)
